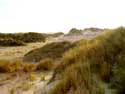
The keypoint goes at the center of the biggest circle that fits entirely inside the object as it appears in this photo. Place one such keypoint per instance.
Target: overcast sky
(60, 15)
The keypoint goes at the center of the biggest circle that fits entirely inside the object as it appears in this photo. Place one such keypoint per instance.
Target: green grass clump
(53, 50)
(100, 55)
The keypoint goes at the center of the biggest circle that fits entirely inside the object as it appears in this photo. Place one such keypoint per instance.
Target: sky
(59, 15)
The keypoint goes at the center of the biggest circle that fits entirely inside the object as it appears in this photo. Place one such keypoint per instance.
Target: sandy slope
(16, 82)
(19, 51)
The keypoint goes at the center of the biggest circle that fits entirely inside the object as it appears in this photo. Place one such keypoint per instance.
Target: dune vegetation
(20, 39)
(93, 66)
(85, 68)
(52, 50)
(11, 42)
(7, 66)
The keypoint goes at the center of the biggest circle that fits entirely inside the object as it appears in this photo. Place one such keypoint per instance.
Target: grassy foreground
(85, 67)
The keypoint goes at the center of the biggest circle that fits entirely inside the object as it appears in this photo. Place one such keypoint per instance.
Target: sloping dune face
(52, 50)
(85, 67)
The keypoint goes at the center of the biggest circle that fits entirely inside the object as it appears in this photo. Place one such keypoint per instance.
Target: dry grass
(46, 64)
(92, 58)
(7, 66)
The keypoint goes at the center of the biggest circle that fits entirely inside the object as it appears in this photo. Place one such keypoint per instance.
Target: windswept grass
(16, 66)
(90, 61)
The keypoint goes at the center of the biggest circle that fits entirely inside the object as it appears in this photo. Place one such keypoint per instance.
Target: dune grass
(93, 60)
(7, 66)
